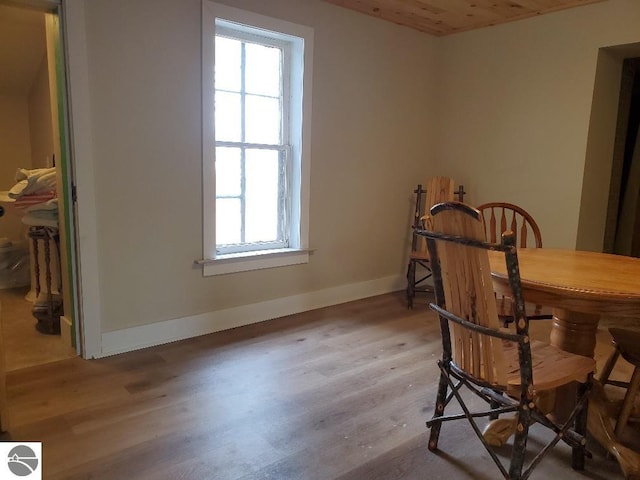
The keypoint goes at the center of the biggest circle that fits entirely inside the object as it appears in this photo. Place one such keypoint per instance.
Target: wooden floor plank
(336, 393)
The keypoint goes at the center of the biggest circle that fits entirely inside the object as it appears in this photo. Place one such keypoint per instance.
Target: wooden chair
(508, 370)
(498, 217)
(439, 189)
(627, 344)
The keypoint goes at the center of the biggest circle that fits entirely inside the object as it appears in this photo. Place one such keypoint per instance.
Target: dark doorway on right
(625, 187)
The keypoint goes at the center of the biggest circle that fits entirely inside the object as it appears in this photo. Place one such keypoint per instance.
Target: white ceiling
(22, 47)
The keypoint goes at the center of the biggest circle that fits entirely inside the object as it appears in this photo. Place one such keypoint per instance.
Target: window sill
(247, 261)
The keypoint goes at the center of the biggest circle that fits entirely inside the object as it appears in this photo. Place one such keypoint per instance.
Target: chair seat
(552, 367)
(628, 343)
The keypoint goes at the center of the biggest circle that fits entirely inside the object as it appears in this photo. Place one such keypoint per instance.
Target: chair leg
(608, 367)
(520, 442)
(578, 453)
(493, 404)
(627, 403)
(411, 283)
(439, 411)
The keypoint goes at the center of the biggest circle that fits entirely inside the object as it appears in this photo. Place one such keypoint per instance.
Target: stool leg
(608, 367)
(411, 282)
(627, 404)
(36, 261)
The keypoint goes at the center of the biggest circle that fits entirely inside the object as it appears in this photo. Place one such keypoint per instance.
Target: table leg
(576, 333)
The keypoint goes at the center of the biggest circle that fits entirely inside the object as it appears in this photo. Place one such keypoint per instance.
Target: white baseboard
(135, 338)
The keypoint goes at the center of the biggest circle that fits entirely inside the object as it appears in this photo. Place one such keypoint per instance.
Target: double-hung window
(256, 104)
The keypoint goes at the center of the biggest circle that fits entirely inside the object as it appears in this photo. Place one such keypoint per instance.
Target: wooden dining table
(581, 287)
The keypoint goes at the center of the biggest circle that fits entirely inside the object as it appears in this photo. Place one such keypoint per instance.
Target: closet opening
(38, 299)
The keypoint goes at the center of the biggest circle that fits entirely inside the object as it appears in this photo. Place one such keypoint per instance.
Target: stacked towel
(34, 199)
(30, 182)
(35, 192)
(42, 214)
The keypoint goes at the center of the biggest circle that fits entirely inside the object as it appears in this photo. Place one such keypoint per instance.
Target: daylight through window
(252, 150)
(256, 128)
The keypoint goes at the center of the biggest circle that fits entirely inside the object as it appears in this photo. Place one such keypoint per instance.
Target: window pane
(262, 120)
(262, 177)
(262, 70)
(228, 128)
(227, 64)
(228, 171)
(228, 221)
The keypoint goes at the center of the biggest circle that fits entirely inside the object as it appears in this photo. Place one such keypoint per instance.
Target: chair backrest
(439, 189)
(499, 217)
(463, 287)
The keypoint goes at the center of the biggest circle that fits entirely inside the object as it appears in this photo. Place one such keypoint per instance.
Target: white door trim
(81, 146)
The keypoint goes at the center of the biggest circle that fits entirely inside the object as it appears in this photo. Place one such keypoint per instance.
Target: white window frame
(299, 134)
(250, 34)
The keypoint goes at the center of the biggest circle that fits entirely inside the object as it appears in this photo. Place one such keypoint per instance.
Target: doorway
(624, 233)
(36, 287)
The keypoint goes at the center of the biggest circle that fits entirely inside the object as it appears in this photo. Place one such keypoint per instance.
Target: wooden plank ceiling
(444, 17)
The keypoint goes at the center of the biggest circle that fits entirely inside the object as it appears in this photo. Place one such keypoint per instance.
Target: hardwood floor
(337, 393)
(24, 346)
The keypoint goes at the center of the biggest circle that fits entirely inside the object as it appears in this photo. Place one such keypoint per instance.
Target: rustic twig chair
(508, 370)
(439, 189)
(498, 217)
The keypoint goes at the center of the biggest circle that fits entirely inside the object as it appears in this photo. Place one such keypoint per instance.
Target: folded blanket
(47, 206)
(38, 221)
(32, 181)
(26, 201)
(25, 174)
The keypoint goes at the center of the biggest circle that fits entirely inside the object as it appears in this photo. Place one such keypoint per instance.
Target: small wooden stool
(47, 312)
(627, 344)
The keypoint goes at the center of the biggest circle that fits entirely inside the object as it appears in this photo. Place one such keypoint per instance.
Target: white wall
(514, 108)
(15, 152)
(372, 141)
(504, 110)
(41, 130)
